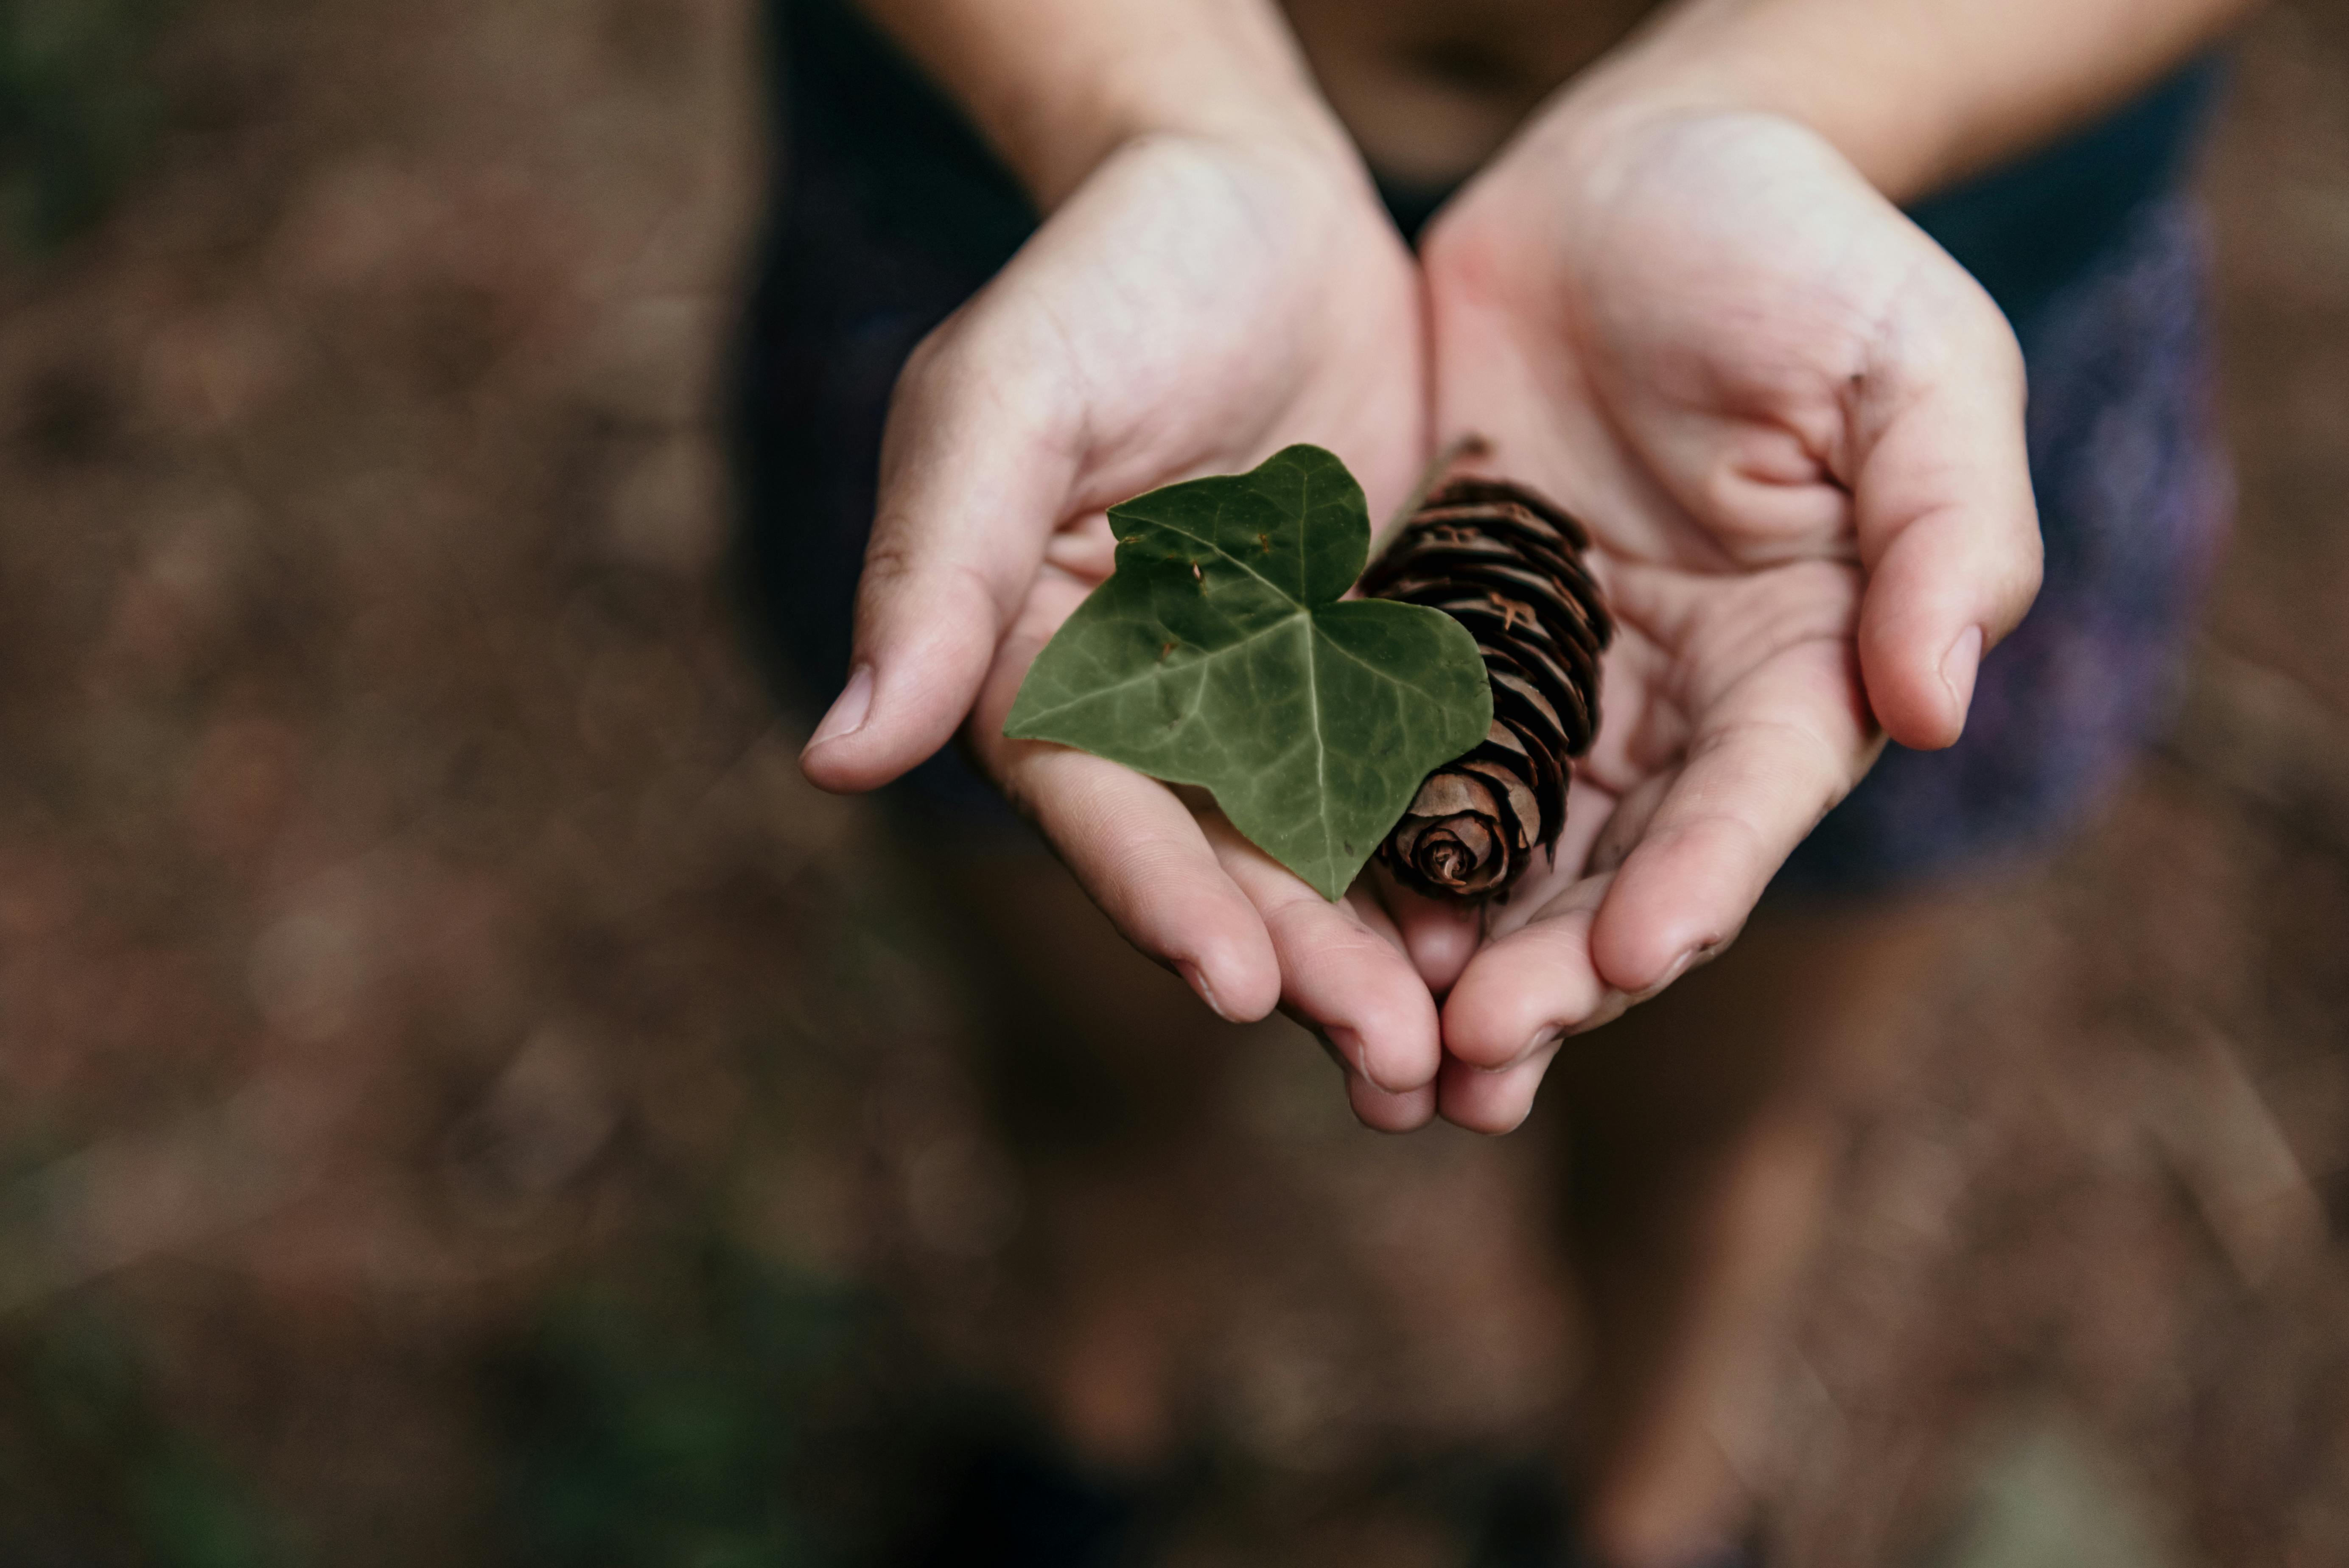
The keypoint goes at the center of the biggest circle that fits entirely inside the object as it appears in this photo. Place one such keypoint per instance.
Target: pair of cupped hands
(1793, 424)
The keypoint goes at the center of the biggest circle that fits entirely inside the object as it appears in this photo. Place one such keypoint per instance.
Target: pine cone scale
(1550, 778)
(1498, 590)
(1572, 660)
(1541, 692)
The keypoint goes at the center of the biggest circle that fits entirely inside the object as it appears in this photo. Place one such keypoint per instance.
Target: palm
(1736, 363)
(1177, 318)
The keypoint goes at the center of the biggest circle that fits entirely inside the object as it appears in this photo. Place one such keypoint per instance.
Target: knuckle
(936, 352)
(890, 559)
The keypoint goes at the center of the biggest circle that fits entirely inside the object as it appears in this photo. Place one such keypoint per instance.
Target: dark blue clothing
(890, 212)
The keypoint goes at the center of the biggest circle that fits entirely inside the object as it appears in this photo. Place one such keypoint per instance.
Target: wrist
(1903, 134)
(1059, 86)
(1281, 124)
(1915, 94)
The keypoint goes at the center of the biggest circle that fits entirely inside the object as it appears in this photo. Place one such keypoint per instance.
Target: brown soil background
(412, 925)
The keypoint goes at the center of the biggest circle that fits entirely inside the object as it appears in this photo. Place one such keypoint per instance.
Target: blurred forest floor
(463, 1099)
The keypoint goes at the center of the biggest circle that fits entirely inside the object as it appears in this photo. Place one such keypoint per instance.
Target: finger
(1439, 935)
(1522, 992)
(1379, 1112)
(1131, 842)
(1591, 817)
(1373, 1106)
(1628, 823)
(1338, 975)
(1767, 761)
(1942, 497)
(1493, 1101)
(1139, 853)
(976, 472)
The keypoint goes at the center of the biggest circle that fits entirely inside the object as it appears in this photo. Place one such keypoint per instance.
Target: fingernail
(1678, 968)
(1957, 667)
(1199, 979)
(1544, 1038)
(848, 710)
(1348, 1044)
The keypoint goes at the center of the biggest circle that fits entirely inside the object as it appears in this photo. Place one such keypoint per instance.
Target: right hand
(1196, 305)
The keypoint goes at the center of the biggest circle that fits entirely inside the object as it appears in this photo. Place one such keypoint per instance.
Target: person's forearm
(1057, 84)
(1916, 93)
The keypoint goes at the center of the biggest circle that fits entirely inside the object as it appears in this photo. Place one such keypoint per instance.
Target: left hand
(1795, 426)
(1196, 304)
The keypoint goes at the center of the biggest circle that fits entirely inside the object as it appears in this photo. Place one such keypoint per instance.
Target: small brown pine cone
(1507, 564)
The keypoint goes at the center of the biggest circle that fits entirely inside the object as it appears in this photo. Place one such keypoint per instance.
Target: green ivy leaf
(1221, 654)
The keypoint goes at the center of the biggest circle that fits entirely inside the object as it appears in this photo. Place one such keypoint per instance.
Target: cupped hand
(1795, 426)
(1194, 306)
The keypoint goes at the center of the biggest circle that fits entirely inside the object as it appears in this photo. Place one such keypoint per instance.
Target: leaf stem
(1458, 450)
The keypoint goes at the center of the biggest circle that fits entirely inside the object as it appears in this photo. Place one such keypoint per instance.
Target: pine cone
(1507, 564)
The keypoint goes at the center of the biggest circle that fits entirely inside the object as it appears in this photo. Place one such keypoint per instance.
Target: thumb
(1947, 528)
(973, 478)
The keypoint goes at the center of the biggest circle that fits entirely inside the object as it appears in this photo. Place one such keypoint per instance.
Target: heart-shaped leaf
(1221, 652)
